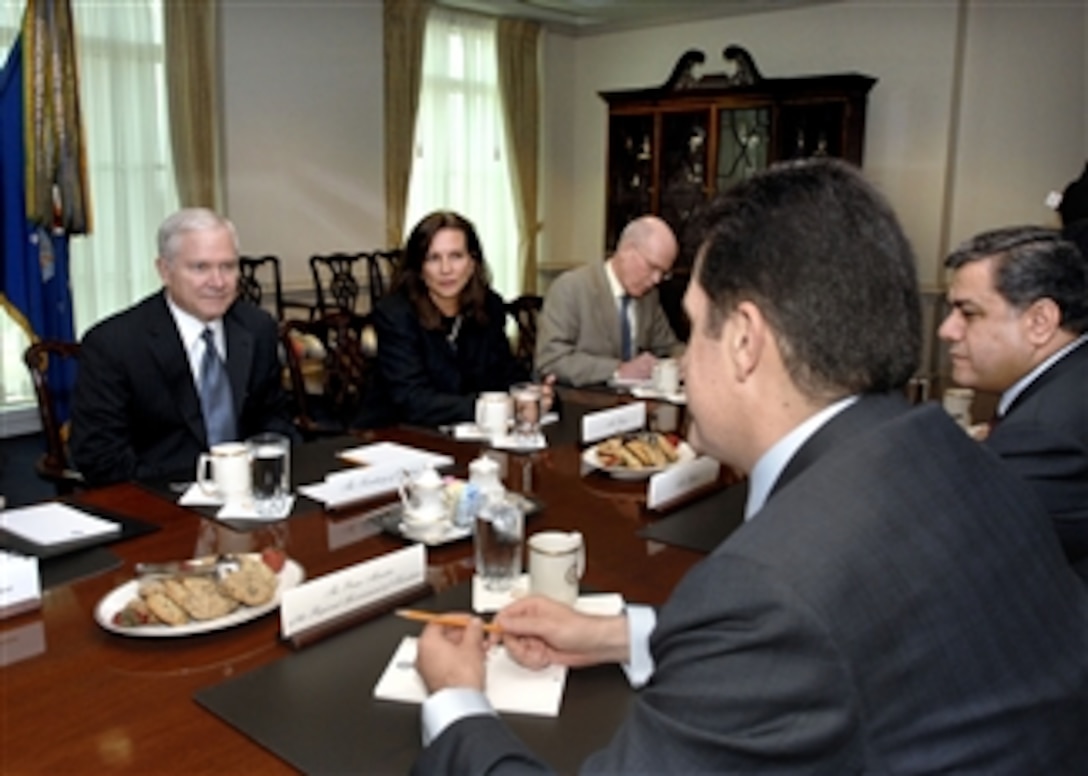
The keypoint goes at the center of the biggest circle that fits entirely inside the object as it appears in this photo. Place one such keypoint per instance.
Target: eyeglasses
(661, 272)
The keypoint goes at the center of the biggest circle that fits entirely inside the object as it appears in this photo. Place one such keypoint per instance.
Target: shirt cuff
(641, 621)
(450, 705)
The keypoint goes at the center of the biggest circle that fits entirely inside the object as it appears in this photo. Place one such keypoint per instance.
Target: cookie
(253, 584)
(165, 609)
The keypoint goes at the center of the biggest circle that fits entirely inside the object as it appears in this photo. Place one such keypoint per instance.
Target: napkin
(679, 397)
(248, 511)
(510, 687)
(196, 496)
(520, 442)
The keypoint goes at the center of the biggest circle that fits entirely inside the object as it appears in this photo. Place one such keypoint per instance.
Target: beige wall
(1022, 127)
(302, 89)
(303, 113)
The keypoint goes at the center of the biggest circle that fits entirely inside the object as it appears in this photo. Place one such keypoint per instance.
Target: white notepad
(510, 687)
(53, 523)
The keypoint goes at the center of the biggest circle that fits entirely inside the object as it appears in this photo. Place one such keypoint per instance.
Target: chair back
(336, 285)
(525, 310)
(52, 365)
(250, 286)
(381, 269)
(330, 360)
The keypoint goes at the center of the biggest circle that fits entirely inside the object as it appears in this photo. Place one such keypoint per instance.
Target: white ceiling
(590, 17)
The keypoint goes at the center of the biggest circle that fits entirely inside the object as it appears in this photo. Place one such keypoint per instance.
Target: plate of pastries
(637, 455)
(199, 596)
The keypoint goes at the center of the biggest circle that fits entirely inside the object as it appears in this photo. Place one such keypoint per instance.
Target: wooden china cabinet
(672, 147)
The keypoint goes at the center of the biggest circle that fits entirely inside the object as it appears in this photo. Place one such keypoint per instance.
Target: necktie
(216, 401)
(626, 351)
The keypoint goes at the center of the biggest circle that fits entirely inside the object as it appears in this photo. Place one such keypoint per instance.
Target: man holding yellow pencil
(896, 601)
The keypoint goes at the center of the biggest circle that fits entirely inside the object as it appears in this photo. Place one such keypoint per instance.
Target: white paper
(509, 687)
(196, 496)
(248, 511)
(54, 523)
(606, 423)
(681, 478)
(392, 454)
(20, 582)
(341, 592)
(486, 601)
(679, 397)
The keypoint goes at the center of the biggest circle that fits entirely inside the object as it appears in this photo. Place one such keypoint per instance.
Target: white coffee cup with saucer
(424, 502)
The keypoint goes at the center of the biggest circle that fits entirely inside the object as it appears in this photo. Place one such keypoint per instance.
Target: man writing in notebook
(604, 322)
(870, 614)
(186, 368)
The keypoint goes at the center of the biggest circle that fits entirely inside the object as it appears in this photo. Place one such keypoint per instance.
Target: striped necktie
(216, 401)
(626, 349)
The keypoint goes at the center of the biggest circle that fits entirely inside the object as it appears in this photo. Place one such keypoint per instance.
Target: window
(132, 189)
(460, 160)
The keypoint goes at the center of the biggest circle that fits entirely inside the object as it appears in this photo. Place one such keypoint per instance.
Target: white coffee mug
(493, 412)
(228, 479)
(557, 561)
(666, 376)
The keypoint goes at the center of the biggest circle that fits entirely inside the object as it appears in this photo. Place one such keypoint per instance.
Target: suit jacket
(1044, 438)
(578, 336)
(426, 379)
(136, 412)
(899, 605)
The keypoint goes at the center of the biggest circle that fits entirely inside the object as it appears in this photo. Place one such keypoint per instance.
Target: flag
(43, 181)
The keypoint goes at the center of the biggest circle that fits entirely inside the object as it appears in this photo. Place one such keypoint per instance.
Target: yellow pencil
(454, 620)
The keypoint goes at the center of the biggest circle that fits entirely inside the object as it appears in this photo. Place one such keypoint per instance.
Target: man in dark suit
(893, 603)
(139, 410)
(1017, 326)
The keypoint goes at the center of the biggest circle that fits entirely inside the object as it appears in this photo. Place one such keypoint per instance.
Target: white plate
(684, 453)
(291, 575)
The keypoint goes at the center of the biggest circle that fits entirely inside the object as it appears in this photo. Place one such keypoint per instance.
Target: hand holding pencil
(452, 649)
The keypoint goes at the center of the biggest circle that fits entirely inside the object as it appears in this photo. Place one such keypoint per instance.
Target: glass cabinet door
(630, 171)
(684, 165)
(744, 139)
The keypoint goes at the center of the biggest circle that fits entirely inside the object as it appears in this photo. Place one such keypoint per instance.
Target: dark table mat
(704, 524)
(316, 710)
(60, 564)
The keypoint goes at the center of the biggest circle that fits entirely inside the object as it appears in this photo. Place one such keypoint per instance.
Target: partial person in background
(186, 368)
(442, 329)
(604, 322)
(895, 602)
(1018, 315)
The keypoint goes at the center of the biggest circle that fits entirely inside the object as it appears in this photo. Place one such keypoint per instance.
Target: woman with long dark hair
(441, 330)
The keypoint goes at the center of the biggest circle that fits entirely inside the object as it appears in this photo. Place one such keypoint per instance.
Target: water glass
(270, 472)
(527, 399)
(497, 542)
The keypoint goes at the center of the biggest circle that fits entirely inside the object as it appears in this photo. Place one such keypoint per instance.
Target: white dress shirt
(191, 330)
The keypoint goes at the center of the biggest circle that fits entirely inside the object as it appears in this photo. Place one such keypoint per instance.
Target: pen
(455, 620)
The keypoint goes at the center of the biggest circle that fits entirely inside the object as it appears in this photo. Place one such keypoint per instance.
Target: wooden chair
(259, 273)
(328, 386)
(336, 285)
(52, 365)
(381, 268)
(525, 310)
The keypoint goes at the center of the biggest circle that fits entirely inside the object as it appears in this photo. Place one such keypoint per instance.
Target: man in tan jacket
(582, 338)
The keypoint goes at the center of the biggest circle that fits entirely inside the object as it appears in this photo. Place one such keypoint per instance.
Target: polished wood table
(93, 702)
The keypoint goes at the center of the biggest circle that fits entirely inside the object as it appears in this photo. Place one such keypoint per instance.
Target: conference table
(79, 699)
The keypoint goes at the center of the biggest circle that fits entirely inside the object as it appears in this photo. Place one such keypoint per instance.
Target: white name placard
(606, 423)
(681, 479)
(20, 584)
(351, 485)
(326, 598)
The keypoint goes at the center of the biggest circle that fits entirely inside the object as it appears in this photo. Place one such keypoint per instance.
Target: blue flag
(42, 181)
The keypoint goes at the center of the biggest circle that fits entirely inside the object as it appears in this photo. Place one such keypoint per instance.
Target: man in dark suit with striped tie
(187, 367)
(893, 602)
(1017, 327)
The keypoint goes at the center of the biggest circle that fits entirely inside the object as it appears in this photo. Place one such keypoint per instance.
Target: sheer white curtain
(460, 160)
(123, 102)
